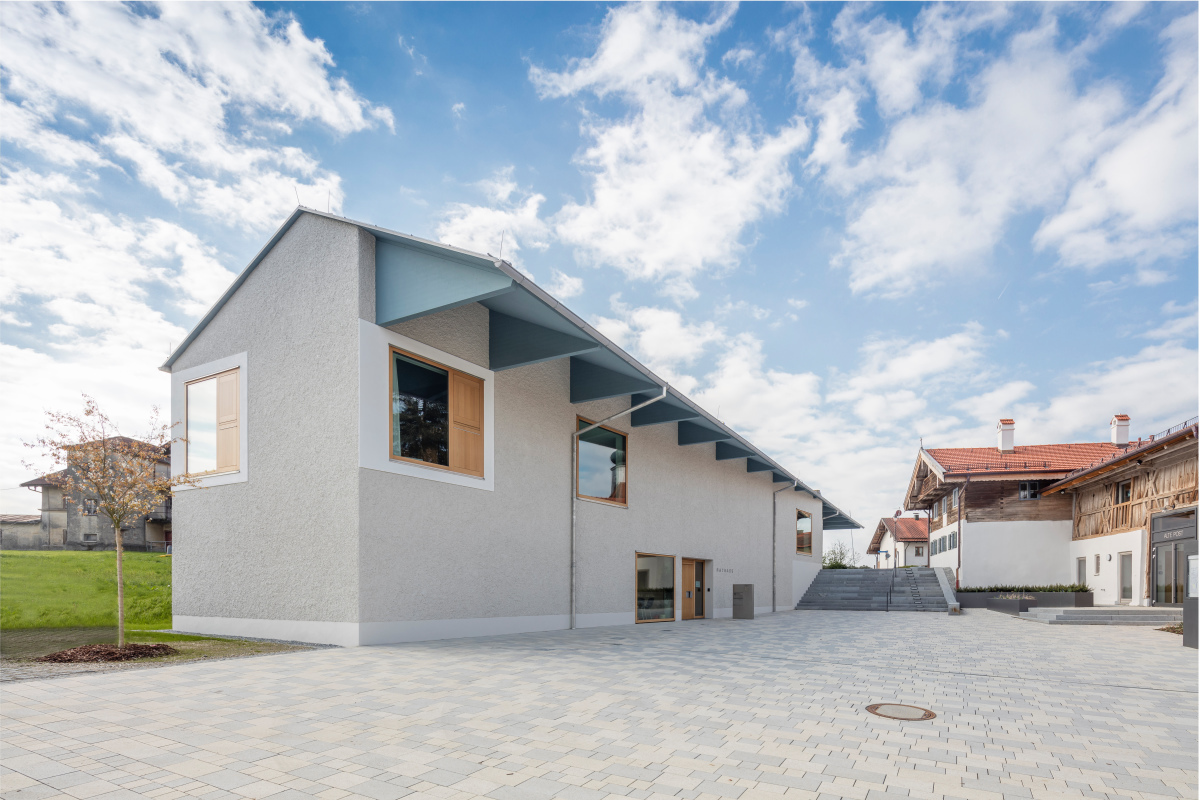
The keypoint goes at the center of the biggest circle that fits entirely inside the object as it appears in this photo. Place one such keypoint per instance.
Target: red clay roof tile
(1023, 458)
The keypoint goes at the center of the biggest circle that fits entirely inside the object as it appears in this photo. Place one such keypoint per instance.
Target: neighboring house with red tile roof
(900, 541)
(989, 519)
(1133, 531)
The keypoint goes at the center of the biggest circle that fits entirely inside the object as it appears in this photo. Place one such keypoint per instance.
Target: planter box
(1044, 599)
(1013, 607)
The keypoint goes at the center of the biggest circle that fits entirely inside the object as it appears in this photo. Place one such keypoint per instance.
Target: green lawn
(79, 589)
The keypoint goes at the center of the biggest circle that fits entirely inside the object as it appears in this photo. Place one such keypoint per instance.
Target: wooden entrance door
(693, 589)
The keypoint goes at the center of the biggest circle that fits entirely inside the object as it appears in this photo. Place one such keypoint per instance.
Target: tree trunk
(120, 588)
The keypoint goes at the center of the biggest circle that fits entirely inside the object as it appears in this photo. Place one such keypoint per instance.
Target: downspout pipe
(573, 482)
(775, 533)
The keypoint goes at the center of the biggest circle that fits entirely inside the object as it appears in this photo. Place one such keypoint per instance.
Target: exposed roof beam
(726, 451)
(659, 413)
(411, 283)
(516, 343)
(590, 382)
(754, 465)
(779, 477)
(691, 433)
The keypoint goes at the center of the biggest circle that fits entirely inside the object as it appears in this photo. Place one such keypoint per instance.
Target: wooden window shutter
(466, 424)
(228, 433)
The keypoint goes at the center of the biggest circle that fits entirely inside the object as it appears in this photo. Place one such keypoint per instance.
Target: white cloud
(458, 109)
(564, 286)
(159, 89)
(511, 220)
(1138, 201)
(944, 184)
(675, 184)
(797, 304)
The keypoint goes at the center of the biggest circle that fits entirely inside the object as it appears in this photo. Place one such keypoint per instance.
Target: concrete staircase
(1157, 616)
(912, 589)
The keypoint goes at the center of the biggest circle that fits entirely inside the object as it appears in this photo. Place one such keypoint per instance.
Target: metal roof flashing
(523, 284)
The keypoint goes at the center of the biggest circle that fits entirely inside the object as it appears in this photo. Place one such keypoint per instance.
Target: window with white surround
(212, 436)
(918, 551)
(436, 415)
(954, 499)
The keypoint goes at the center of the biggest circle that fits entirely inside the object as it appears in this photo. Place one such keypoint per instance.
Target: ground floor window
(655, 588)
(803, 534)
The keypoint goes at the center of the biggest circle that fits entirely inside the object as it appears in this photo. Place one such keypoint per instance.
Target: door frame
(702, 565)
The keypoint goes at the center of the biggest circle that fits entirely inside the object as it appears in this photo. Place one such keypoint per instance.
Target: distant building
(900, 541)
(77, 525)
(1027, 515)
(20, 532)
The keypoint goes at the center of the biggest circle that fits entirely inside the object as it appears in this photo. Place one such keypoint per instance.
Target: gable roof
(902, 529)
(508, 292)
(19, 519)
(1134, 451)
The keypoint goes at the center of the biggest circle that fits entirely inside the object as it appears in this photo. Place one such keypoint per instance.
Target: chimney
(897, 513)
(1004, 435)
(1119, 425)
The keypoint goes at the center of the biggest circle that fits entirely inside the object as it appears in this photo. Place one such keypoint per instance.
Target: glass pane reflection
(655, 588)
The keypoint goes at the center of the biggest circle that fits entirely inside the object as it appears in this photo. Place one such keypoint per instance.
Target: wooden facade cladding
(1000, 501)
(1164, 484)
(997, 501)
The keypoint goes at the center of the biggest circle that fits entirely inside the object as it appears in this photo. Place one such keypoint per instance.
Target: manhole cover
(897, 711)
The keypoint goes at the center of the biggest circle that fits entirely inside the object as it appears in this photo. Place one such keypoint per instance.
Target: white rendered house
(991, 522)
(900, 541)
(401, 440)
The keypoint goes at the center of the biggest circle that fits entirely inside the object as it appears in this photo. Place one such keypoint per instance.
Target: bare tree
(127, 478)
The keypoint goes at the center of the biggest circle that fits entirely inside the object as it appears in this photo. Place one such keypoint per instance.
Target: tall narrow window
(803, 534)
(212, 429)
(437, 415)
(655, 588)
(1124, 491)
(954, 499)
(601, 464)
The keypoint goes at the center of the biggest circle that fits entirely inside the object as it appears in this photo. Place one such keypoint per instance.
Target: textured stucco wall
(1021, 553)
(284, 544)
(434, 551)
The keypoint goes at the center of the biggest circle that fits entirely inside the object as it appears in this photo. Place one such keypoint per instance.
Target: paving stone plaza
(769, 708)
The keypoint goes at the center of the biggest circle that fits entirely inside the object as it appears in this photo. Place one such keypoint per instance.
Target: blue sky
(843, 229)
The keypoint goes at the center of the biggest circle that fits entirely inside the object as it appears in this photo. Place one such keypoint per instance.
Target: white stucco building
(398, 441)
(900, 541)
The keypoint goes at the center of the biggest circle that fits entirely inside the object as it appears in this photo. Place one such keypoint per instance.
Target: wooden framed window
(803, 533)
(212, 426)
(1028, 490)
(436, 414)
(1124, 492)
(602, 464)
(918, 551)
